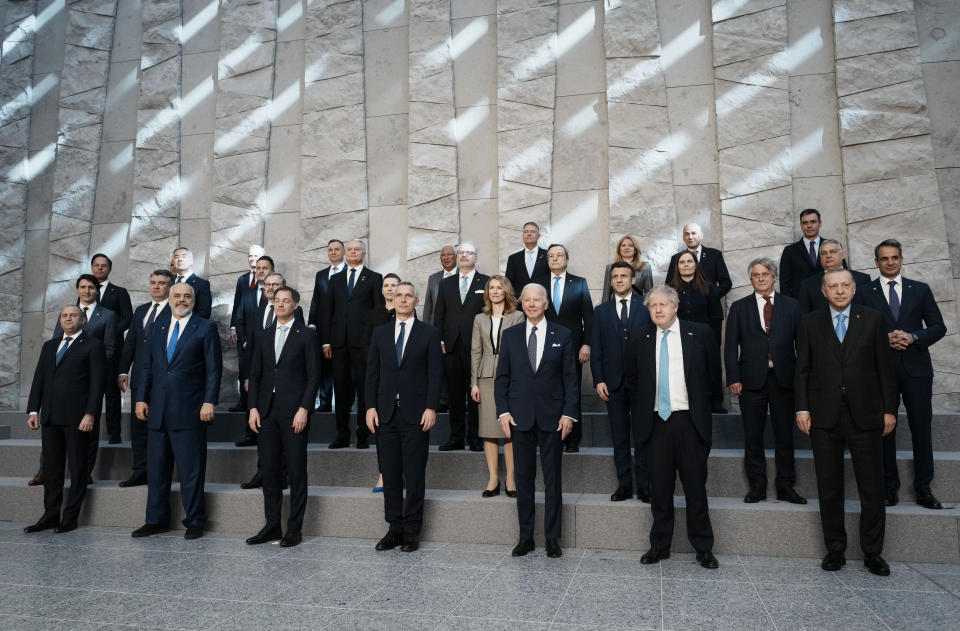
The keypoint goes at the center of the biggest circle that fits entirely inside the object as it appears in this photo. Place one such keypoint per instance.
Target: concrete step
(590, 471)
(589, 520)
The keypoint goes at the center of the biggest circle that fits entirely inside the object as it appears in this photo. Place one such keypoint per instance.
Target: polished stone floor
(101, 578)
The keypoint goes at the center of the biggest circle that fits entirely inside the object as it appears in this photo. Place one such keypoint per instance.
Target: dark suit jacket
(250, 324)
(203, 299)
(176, 390)
(711, 264)
(811, 296)
(135, 345)
(430, 300)
(748, 346)
(609, 340)
(347, 318)
(701, 371)
(517, 270)
(243, 286)
(859, 369)
(795, 267)
(453, 318)
(63, 394)
(117, 299)
(287, 382)
(537, 398)
(919, 314)
(101, 325)
(576, 312)
(321, 283)
(415, 382)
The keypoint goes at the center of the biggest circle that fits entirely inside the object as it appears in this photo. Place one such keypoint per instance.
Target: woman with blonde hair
(628, 250)
(499, 313)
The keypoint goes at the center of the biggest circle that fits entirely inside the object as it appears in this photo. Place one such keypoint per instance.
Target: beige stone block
(580, 220)
(254, 57)
(385, 59)
(441, 214)
(535, 92)
(432, 173)
(813, 126)
(524, 155)
(581, 47)
(895, 111)
(925, 226)
(700, 204)
(422, 248)
(387, 253)
(949, 183)
(774, 207)
(750, 36)
(114, 198)
(387, 164)
(638, 126)
(933, 18)
(869, 200)
(767, 71)
(515, 195)
(323, 18)
(887, 159)
(580, 152)
(629, 28)
(291, 25)
(935, 274)
(332, 186)
(127, 32)
(867, 72)
(527, 60)
(472, 8)
(738, 260)
(317, 231)
(330, 93)
(474, 49)
(200, 28)
(198, 78)
(875, 34)
(685, 30)
(810, 36)
(283, 170)
(941, 81)
(846, 10)
(257, 83)
(635, 80)
(693, 132)
(88, 30)
(477, 217)
(646, 210)
(477, 153)
(286, 108)
(740, 233)
(513, 115)
(515, 219)
(159, 85)
(747, 113)
(335, 133)
(121, 107)
(826, 195)
(432, 123)
(383, 14)
(87, 138)
(755, 167)
(633, 170)
(946, 354)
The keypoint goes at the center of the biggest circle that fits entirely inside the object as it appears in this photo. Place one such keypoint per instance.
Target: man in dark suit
(65, 397)
(832, 257)
(760, 355)
(537, 395)
(459, 300)
(116, 299)
(404, 375)
(317, 308)
(801, 260)
(135, 354)
(614, 323)
(448, 264)
(671, 370)
(845, 395)
(710, 259)
(572, 308)
(283, 385)
(246, 282)
(178, 388)
(353, 296)
(245, 327)
(529, 265)
(913, 324)
(183, 264)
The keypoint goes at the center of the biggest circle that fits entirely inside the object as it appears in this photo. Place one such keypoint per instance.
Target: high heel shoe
(492, 492)
(510, 493)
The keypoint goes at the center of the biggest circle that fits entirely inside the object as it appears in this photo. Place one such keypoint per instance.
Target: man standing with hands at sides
(283, 385)
(182, 265)
(176, 394)
(529, 265)
(459, 301)
(845, 396)
(135, 354)
(321, 284)
(116, 299)
(614, 323)
(246, 282)
(760, 356)
(801, 260)
(448, 261)
(246, 323)
(913, 324)
(404, 374)
(65, 396)
(671, 370)
(537, 397)
(710, 260)
(832, 257)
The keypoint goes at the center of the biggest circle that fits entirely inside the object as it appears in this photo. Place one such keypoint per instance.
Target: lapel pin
(647, 336)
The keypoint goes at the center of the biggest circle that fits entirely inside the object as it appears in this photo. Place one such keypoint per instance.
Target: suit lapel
(185, 333)
(548, 341)
(635, 305)
(78, 340)
(686, 339)
(414, 325)
(828, 332)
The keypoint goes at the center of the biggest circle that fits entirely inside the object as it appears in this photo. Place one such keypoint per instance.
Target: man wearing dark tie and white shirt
(801, 260)
(115, 298)
(318, 306)
(710, 260)
(182, 264)
(529, 265)
(253, 303)
(246, 282)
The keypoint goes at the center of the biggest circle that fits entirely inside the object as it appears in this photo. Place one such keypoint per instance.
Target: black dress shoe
(390, 541)
(42, 525)
(255, 482)
(644, 496)
(707, 560)
(411, 543)
(239, 407)
(149, 529)
(755, 495)
(571, 449)
(267, 533)
(291, 539)
(450, 446)
(890, 498)
(89, 479)
(114, 440)
(193, 532)
(363, 443)
(36, 480)
(926, 499)
(654, 556)
(717, 408)
(133, 480)
(620, 494)
(553, 549)
(523, 547)
(789, 494)
(510, 493)
(246, 442)
(877, 565)
(339, 443)
(62, 528)
(833, 561)
(476, 447)
(492, 492)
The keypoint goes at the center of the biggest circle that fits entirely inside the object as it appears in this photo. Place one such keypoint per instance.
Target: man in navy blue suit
(246, 282)
(913, 325)
(537, 396)
(801, 260)
(244, 326)
(135, 354)
(404, 378)
(832, 257)
(182, 264)
(614, 323)
(116, 299)
(760, 355)
(178, 389)
(529, 265)
(321, 284)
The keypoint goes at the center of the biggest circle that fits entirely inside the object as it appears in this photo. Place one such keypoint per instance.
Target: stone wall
(132, 127)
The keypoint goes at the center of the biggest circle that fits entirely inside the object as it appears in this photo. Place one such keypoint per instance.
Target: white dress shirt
(186, 277)
(336, 269)
(449, 272)
(563, 282)
(816, 245)
(885, 284)
(268, 312)
(541, 337)
(183, 327)
(406, 332)
(760, 303)
(679, 399)
(469, 276)
(160, 307)
(616, 299)
(103, 286)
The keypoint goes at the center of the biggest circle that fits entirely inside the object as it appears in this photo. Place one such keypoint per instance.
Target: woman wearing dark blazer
(629, 251)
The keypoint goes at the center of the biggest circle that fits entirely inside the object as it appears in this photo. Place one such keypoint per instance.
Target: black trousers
(111, 397)
(402, 450)
(93, 445)
(631, 466)
(279, 444)
(866, 452)
(525, 445)
(753, 406)
(64, 447)
(464, 416)
(675, 448)
(576, 434)
(325, 392)
(917, 396)
(188, 448)
(242, 373)
(138, 439)
(349, 365)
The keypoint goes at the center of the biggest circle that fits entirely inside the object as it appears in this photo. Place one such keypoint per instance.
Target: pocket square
(557, 345)
(478, 291)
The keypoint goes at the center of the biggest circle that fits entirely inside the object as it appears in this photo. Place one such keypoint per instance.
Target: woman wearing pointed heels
(499, 313)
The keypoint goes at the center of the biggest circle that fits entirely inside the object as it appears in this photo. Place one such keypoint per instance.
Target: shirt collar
(815, 241)
(359, 268)
(897, 279)
(760, 299)
(673, 328)
(336, 268)
(528, 251)
(468, 275)
(73, 337)
(183, 321)
(448, 273)
(541, 326)
(162, 303)
(562, 275)
(91, 306)
(834, 313)
(103, 285)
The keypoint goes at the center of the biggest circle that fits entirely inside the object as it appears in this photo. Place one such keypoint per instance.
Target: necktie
(663, 386)
(263, 298)
(813, 254)
(269, 319)
(894, 301)
(532, 348)
(179, 279)
(353, 277)
(841, 327)
(86, 316)
(253, 281)
(172, 344)
(281, 338)
(531, 261)
(63, 349)
(151, 318)
(463, 288)
(400, 342)
(767, 313)
(556, 294)
(624, 315)
(696, 257)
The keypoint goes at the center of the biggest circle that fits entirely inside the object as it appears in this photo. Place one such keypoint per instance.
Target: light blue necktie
(400, 342)
(281, 339)
(841, 328)
(463, 288)
(63, 349)
(556, 294)
(663, 387)
(172, 344)
(531, 261)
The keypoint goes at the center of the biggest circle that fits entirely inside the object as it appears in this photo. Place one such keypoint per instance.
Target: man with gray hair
(760, 355)
(832, 257)
(246, 282)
